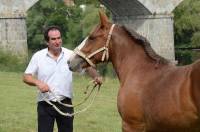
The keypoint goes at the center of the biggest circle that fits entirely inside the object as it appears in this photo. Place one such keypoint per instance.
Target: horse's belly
(193, 127)
(155, 118)
(172, 121)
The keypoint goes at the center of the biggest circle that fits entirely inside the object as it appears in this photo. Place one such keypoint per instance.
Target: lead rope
(67, 105)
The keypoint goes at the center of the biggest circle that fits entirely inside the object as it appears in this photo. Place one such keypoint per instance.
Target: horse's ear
(103, 18)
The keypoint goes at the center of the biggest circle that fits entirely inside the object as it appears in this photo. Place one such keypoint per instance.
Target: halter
(104, 49)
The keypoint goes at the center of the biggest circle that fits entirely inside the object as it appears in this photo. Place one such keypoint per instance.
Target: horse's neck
(128, 57)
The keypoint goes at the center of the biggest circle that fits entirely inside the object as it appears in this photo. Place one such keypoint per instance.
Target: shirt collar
(50, 55)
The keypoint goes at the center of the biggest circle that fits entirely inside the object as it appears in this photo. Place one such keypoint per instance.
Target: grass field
(18, 106)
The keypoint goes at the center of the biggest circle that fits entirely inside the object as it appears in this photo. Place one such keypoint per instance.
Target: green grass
(18, 106)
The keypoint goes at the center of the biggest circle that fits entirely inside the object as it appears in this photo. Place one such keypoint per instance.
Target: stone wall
(13, 34)
(152, 19)
(158, 29)
(13, 37)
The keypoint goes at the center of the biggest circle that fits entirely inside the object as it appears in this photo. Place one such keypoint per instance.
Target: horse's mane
(146, 45)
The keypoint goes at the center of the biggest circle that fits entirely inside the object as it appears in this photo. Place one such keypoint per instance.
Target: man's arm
(92, 72)
(30, 80)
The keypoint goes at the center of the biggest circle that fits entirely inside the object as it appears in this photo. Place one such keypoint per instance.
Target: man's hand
(43, 87)
(30, 80)
(98, 80)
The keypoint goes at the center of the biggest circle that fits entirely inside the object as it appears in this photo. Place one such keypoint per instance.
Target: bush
(12, 63)
(106, 69)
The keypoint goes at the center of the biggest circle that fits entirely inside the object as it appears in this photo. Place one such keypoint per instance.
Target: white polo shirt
(55, 73)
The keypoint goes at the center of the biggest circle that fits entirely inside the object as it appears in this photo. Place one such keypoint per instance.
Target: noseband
(104, 49)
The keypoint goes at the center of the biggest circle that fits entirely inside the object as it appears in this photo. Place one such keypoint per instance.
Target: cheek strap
(104, 49)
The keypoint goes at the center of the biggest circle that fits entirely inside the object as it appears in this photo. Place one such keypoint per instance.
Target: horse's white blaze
(78, 47)
(82, 43)
(72, 56)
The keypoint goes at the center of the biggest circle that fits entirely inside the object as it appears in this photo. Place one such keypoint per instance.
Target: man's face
(55, 41)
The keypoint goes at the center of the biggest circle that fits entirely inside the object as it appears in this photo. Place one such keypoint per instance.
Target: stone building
(150, 18)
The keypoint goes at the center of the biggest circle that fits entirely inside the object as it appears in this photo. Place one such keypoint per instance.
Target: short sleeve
(32, 66)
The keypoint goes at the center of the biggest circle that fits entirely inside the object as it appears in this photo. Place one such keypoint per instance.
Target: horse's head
(95, 48)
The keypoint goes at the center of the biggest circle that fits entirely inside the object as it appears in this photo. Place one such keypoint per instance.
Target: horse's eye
(91, 38)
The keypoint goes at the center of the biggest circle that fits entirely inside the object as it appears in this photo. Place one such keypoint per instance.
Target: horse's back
(195, 82)
(195, 73)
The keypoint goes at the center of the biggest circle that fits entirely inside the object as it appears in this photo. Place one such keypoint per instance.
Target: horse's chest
(129, 104)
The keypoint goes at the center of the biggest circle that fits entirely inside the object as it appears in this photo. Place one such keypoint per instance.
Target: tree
(87, 2)
(50, 12)
(75, 23)
(187, 29)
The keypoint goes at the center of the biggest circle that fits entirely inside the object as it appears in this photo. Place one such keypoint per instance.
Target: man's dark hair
(46, 31)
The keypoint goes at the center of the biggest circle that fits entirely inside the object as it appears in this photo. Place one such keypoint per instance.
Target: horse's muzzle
(75, 64)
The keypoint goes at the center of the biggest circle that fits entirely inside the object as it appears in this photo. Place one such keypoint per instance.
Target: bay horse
(154, 95)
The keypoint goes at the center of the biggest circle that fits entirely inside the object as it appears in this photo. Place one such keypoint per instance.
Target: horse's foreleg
(133, 127)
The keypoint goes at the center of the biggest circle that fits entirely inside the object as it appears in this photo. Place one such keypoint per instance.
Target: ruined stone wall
(13, 37)
(152, 19)
(13, 34)
(157, 29)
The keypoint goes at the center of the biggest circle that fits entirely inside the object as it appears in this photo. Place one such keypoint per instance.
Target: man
(48, 71)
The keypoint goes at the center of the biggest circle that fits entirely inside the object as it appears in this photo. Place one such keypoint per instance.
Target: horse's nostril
(68, 62)
(70, 68)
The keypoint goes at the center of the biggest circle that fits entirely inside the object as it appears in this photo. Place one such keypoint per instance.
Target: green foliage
(88, 2)
(9, 62)
(187, 22)
(46, 13)
(184, 57)
(74, 22)
(88, 21)
(195, 40)
(106, 69)
(187, 29)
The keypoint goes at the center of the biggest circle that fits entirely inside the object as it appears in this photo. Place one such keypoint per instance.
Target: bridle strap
(80, 53)
(105, 52)
(104, 49)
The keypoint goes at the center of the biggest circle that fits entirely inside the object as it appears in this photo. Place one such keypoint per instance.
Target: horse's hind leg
(129, 127)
